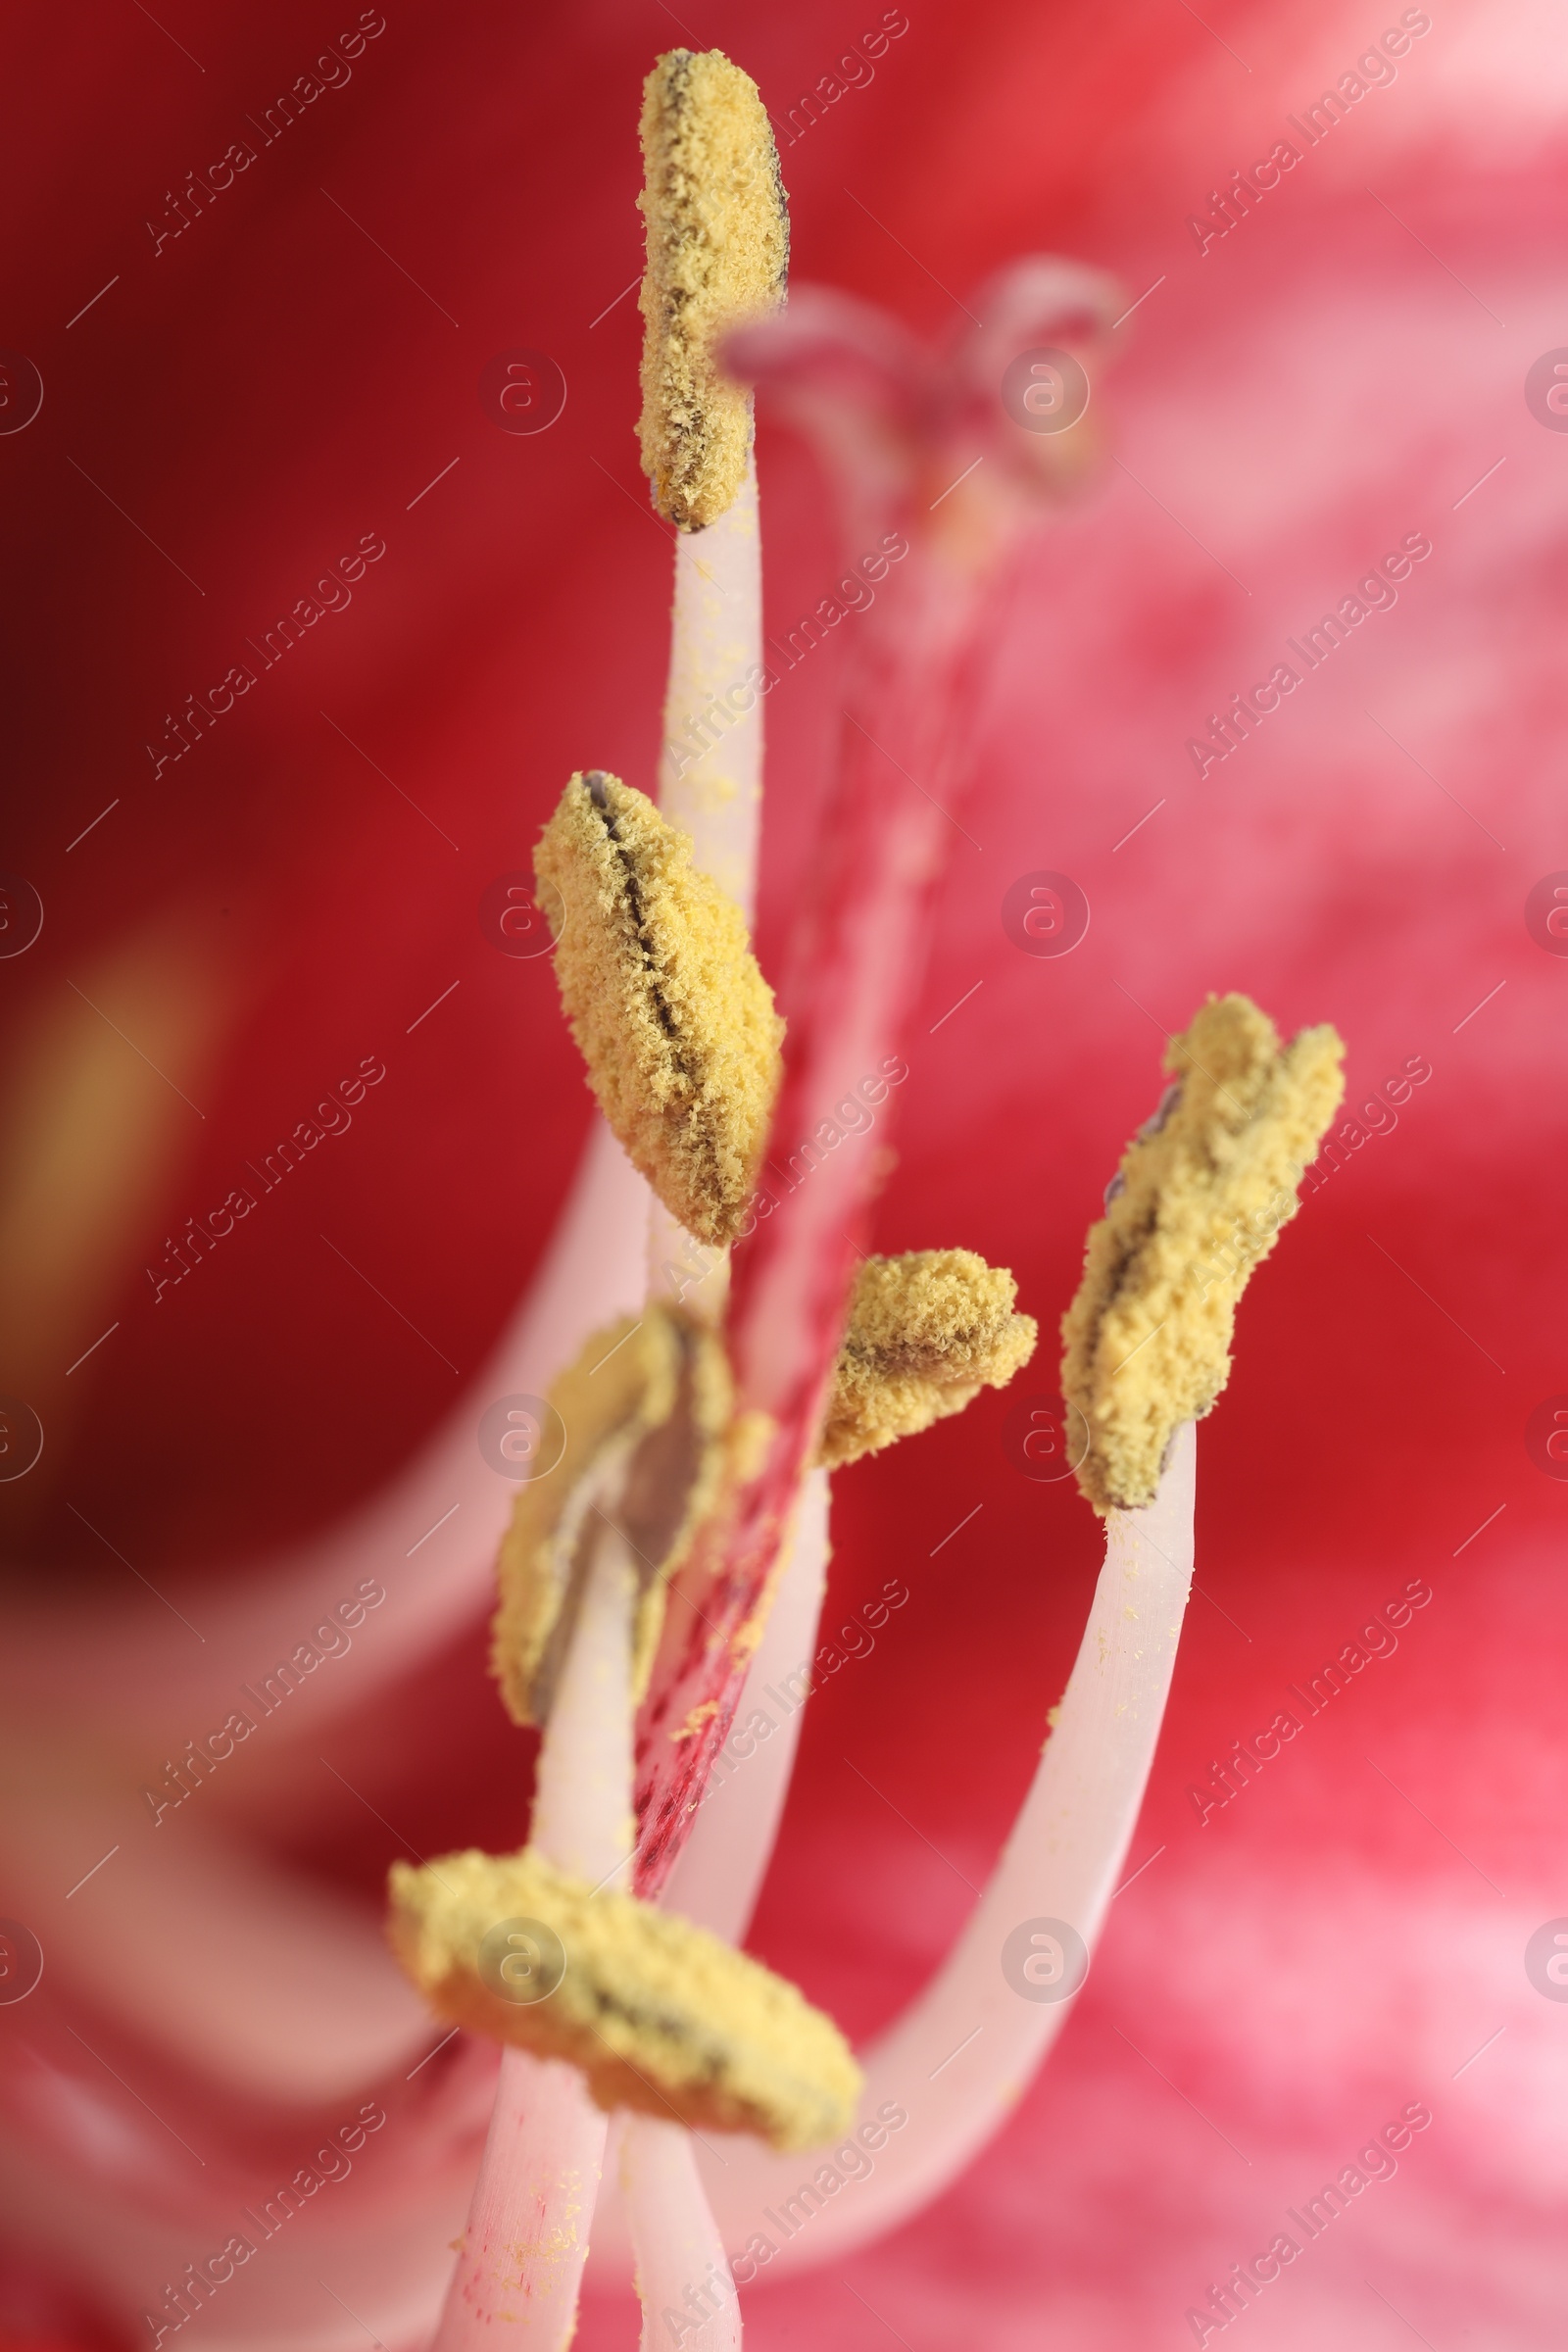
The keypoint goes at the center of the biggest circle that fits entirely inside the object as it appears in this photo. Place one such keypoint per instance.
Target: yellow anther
(1200, 1199)
(669, 1010)
(659, 2015)
(647, 1414)
(718, 250)
(926, 1333)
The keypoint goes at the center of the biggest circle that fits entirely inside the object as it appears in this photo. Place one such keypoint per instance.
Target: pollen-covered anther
(666, 1000)
(647, 1412)
(1200, 1198)
(659, 2015)
(926, 1332)
(717, 251)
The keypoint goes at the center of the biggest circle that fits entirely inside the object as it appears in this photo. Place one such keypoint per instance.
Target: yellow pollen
(646, 1411)
(659, 2015)
(669, 1010)
(717, 251)
(926, 1333)
(1203, 1191)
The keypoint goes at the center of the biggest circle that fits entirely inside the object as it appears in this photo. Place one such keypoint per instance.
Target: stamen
(1246, 1119)
(681, 1041)
(926, 1332)
(669, 1010)
(718, 249)
(660, 2016)
(646, 1411)
(711, 198)
(527, 2240)
(1205, 1188)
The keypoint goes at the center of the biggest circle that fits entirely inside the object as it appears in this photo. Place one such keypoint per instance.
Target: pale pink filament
(959, 2059)
(527, 2235)
(688, 2295)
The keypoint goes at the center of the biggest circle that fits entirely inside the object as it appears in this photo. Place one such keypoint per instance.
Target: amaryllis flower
(332, 561)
